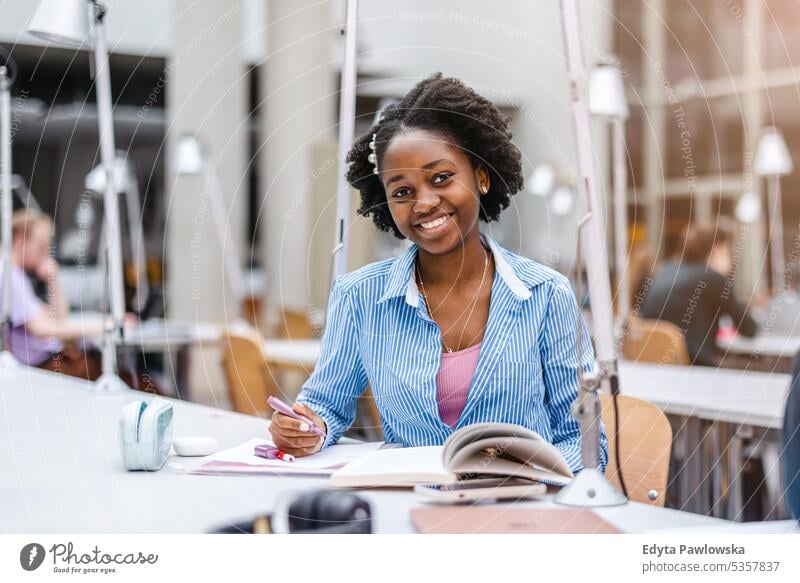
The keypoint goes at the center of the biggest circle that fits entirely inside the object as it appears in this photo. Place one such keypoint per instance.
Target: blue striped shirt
(379, 332)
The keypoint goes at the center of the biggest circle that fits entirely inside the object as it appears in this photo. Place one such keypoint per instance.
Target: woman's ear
(482, 179)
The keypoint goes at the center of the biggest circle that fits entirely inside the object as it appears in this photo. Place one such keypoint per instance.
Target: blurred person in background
(696, 289)
(42, 334)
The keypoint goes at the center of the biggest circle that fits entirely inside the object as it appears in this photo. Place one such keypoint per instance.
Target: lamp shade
(562, 201)
(542, 180)
(748, 209)
(772, 154)
(189, 158)
(607, 92)
(64, 22)
(95, 181)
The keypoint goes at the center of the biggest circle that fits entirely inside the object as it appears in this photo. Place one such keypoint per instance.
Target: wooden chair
(296, 324)
(250, 379)
(654, 341)
(645, 443)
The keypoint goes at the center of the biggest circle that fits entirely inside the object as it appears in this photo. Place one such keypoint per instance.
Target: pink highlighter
(272, 453)
(282, 407)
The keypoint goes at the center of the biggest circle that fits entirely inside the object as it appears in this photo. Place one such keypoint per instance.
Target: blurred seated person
(42, 334)
(694, 291)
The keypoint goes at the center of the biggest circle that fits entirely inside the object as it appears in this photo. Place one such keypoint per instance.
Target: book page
(398, 466)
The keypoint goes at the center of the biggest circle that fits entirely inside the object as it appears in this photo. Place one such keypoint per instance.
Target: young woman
(457, 330)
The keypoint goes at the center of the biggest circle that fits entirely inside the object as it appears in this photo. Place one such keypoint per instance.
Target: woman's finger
(292, 433)
(299, 451)
(295, 442)
(289, 424)
(304, 410)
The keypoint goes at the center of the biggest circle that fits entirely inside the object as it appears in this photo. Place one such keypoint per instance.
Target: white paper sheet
(242, 460)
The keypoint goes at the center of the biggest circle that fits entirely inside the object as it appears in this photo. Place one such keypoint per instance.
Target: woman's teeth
(434, 224)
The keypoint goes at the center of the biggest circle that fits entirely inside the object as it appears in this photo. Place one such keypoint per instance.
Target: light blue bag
(146, 434)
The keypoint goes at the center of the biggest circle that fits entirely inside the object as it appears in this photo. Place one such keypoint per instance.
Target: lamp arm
(134, 212)
(620, 182)
(6, 207)
(230, 254)
(347, 112)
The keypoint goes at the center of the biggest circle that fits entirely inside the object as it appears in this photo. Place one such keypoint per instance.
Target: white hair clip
(373, 157)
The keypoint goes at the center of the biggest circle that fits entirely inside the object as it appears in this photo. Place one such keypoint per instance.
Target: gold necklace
(474, 303)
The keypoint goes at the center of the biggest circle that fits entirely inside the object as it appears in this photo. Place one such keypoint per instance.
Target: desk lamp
(190, 160)
(74, 23)
(607, 102)
(590, 487)
(127, 184)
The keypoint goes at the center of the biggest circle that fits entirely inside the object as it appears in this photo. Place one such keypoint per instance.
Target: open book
(480, 450)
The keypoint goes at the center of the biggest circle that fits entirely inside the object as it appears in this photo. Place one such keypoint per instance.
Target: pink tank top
(453, 381)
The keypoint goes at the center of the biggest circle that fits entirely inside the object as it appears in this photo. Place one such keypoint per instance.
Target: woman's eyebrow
(395, 178)
(428, 166)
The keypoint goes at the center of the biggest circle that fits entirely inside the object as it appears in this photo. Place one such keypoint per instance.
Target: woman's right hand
(294, 436)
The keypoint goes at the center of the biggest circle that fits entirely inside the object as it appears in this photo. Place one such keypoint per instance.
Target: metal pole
(134, 211)
(347, 114)
(7, 360)
(620, 178)
(776, 233)
(230, 255)
(113, 333)
(590, 487)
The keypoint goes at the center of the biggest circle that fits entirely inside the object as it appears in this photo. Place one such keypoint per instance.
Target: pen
(282, 407)
(272, 453)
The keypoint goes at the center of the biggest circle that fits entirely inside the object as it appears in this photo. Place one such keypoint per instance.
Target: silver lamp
(127, 184)
(191, 159)
(590, 487)
(772, 161)
(607, 102)
(75, 23)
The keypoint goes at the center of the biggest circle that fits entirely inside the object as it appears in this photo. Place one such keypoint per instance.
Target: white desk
(766, 527)
(733, 404)
(772, 345)
(62, 471)
(158, 334)
(751, 398)
(300, 354)
(172, 338)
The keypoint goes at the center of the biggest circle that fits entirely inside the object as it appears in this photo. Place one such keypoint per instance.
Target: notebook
(508, 520)
(480, 450)
(241, 460)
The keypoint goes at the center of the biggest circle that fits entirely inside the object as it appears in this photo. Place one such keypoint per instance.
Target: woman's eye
(400, 193)
(441, 177)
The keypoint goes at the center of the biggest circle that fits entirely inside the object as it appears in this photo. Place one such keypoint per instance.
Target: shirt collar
(401, 280)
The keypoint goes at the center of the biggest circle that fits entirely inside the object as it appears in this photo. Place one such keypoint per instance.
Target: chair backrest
(654, 341)
(296, 325)
(645, 444)
(790, 455)
(250, 380)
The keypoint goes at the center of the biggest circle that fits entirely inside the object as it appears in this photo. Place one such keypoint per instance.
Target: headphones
(314, 512)
(330, 511)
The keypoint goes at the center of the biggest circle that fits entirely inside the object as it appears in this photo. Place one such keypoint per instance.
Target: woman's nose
(426, 201)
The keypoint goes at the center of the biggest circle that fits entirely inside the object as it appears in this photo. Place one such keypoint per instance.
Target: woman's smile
(435, 226)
